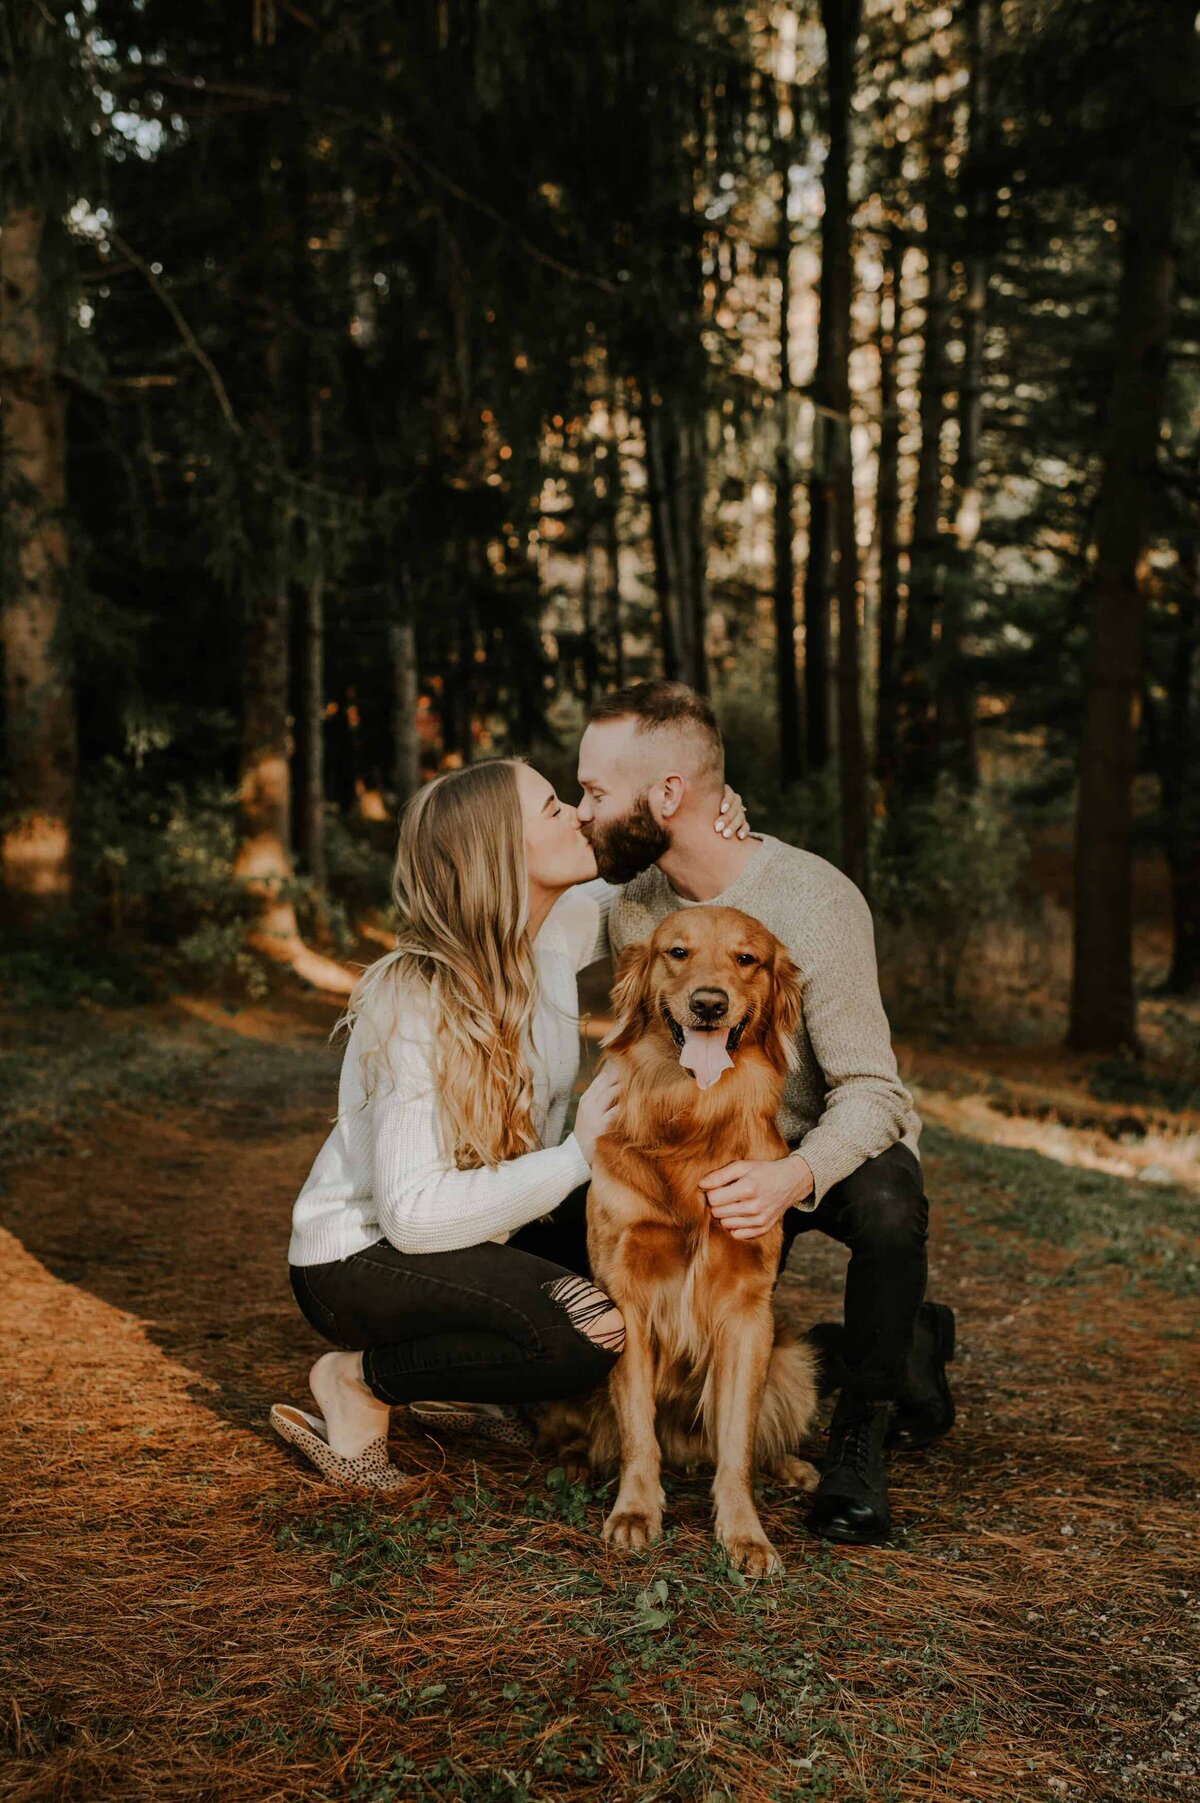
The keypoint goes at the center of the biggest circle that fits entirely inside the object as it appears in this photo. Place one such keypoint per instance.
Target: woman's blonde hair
(461, 892)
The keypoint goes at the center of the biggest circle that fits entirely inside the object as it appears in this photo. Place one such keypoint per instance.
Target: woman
(413, 1248)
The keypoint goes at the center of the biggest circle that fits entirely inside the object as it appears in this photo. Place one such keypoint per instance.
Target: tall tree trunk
(611, 504)
(694, 536)
(39, 704)
(263, 864)
(840, 19)
(819, 565)
(464, 669)
(955, 690)
(310, 833)
(587, 603)
(662, 541)
(890, 331)
(918, 762)
(1174, 750)
(1182, 798)
(675, 456)
(406, 750)
(310, 825)
(264, 791)
(1103, 1012)
(787, 687)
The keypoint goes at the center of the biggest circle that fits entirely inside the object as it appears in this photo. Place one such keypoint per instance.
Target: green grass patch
(1149, 1228)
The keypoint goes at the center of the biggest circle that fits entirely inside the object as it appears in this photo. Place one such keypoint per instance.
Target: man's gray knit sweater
(844, 1102)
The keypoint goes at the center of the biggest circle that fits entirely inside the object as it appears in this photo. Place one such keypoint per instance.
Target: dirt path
(191, 1616)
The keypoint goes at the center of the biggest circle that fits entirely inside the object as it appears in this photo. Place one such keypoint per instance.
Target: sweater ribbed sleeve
(423, 1202)
(385, 1171)
(867, 1108)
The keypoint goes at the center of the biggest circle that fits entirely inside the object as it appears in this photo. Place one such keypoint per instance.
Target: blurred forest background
(380, 382)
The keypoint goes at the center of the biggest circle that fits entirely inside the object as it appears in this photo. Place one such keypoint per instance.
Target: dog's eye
(746, 958)
(678, 951)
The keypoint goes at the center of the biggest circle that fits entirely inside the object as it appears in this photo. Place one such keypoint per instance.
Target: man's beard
(627, 847)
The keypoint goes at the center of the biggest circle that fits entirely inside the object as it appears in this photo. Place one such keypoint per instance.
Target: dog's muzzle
(705, 1049)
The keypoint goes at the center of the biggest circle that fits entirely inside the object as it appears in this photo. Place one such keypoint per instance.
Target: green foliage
(65, 1061)
(805, 814)
(157, 860)
(349, 316)
(359, 869)
(1104, 1221)
(1124, 1080)
(945, 868)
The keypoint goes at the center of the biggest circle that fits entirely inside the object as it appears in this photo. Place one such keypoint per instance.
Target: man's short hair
(657, 705)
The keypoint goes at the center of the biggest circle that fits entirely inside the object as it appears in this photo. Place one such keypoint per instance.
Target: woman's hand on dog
(750, 1196)
(597, 1107)
(731, 822)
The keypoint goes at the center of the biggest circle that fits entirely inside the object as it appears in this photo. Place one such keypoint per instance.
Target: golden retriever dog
(706, 1016)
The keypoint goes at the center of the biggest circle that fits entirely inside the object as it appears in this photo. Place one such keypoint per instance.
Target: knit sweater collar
(746, 883)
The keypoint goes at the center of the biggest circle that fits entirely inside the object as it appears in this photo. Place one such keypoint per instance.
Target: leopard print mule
(489, 1421)
(371, 1469)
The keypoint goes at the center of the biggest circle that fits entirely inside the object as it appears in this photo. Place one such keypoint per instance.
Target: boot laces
(853, 1444)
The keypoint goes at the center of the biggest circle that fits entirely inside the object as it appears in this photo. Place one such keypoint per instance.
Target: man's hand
(751, 1196)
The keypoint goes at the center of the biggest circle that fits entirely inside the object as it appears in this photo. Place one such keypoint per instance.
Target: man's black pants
(879, 1211)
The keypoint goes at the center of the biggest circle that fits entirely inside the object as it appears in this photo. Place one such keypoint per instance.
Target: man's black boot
(925, 1408)
(851, 1501)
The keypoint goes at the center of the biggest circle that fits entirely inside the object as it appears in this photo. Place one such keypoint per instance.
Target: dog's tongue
(705, 1055)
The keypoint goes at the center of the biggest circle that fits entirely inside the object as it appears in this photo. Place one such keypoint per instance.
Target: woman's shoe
(371, 1469)
(491, 1420)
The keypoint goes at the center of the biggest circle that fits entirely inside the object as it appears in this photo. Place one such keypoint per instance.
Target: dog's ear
(631, 1008)
(783, 1011)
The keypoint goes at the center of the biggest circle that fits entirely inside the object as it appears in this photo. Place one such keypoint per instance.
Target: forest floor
(191, 1614)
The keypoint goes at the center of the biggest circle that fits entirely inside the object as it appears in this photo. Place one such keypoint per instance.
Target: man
(651, 768)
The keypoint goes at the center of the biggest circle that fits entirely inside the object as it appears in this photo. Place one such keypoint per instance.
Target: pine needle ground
(191, 1615)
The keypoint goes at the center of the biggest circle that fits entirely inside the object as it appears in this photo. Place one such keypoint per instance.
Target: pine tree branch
(189, 338)
(404, 156)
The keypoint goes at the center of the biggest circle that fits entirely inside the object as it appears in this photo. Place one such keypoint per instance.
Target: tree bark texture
(310, 834)
(841, 23)
(887, 506)
(264, 859)
(787, 686)
(612, 557)
(406, 768)
(38, 700)
(1103, 1013)
(1177, 755)
(918, 759)
(819, 565)
(677, 463)
(955, 693)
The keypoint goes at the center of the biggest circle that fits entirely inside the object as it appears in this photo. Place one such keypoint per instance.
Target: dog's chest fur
(651, 1233)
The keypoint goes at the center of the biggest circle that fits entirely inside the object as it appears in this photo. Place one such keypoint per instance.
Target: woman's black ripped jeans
(492, 1323)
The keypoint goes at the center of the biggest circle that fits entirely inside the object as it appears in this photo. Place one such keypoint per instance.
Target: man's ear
(631, 1008)
(672, 795)
(783, 1011)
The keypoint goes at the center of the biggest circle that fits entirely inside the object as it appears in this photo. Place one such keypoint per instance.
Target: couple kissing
(440, 1242)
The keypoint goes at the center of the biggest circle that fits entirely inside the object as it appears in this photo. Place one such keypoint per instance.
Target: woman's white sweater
(385, 1171)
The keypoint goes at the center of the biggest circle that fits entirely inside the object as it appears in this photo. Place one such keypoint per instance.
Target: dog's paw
(753, 1555)
(797, 1474)
(632, 1530)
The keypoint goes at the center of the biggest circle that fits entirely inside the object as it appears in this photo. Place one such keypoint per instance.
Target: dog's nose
(708, 1005)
